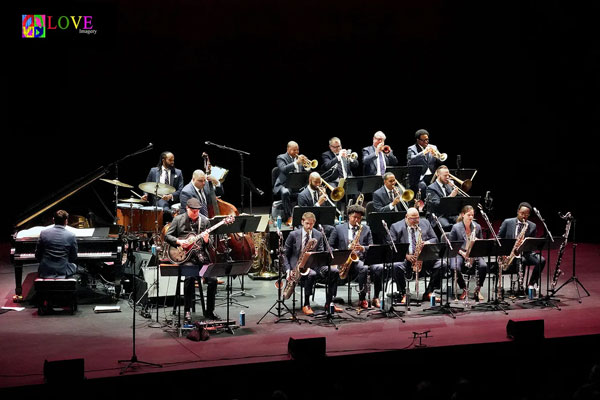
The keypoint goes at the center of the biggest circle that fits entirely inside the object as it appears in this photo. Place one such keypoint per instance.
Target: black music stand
(484, 248)
(440, 251)
(297, 180)
(324, 215)
(228, 269)
(242, 224)
(537, 245)
(387, 254)
(463, 173)
(374, 221)
(362, 184)
(321, 259)
(407, 175)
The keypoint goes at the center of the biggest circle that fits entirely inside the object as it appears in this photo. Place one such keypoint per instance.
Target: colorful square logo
(33, 26)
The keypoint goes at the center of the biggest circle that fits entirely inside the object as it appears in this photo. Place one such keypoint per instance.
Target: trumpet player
(510, 229)
(423, 154)
(287, 163)
(378, 156)
(345, 234)
(466, 230)
(441, 187)
(339, 161)
(388, 197)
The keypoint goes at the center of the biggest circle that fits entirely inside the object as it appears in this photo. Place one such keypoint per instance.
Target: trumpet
(463, 186)
(434, 152)
(351, 154)
(406, 195)
(308, 164)
(386, 149)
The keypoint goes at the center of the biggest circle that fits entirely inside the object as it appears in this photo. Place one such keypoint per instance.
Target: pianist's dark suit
(57, 252)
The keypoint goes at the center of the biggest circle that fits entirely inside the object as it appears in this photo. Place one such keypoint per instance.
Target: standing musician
(56, 249)
(198, 189)
(463, 231)
(407, 231)
(165, 173)
(387, 197)
(421, 153)
(293, 247)
(510, 229)
(183, 224)
(442, 187)
(339, 161)
(287, 163)
(343, 235)
(378, 156)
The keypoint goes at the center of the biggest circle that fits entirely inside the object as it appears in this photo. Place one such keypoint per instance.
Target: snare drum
(148, 216)
(128, 215)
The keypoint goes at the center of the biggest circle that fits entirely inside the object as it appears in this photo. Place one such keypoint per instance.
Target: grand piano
(96, 245)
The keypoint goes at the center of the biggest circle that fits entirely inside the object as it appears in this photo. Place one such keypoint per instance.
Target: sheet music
(218, 172)
(37, 230)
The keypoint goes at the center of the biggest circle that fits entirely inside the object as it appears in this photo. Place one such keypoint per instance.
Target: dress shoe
(188, 317)
(376, 303)
(211, 315)
(307, 310)
(403, 301)
(289, 221)
(463, 295)
(335, 308)
(363, 304)
(220, 282)
(477, 295)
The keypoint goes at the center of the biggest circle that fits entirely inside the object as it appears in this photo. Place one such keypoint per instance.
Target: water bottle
(279, 222)
(242, 318)
(154, 250)
(530, 292)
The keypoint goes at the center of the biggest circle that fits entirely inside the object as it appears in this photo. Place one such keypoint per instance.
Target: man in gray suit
(375, 159)
(421, 154)
(57, 249)
(510, 229)
(198, 189)
(287, 163)
(442, 187)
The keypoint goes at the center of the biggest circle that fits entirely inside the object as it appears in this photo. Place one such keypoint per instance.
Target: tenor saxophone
(418, 264)
(295, 273)
(345, 268)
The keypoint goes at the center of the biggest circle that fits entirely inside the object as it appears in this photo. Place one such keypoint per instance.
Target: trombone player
(313, 195)
(441, 187)
(377, 156)
(387, 197)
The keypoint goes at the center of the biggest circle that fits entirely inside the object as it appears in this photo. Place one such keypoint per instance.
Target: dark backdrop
(512, 88)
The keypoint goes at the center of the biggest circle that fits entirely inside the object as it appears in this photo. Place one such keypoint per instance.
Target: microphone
(535, 210)
(209, 143)
(150, 145)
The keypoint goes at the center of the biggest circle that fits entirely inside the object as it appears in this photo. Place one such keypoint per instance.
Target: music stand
(441, 251)
(228, 269)
(297, 180)
(537, 245)
(454, 205)
(485, 248)
(321, 259)
(385, 254)
(407, 174)
(362, 184)
(374, 221)
(324, 215)
(464, 173)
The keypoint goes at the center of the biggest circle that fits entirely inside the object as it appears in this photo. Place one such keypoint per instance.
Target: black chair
(55, 292)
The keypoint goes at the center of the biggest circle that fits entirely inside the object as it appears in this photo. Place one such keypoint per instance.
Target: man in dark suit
(287, 163)
(442, 187)
(375, 159)
(198, 189)
(422, 153)
(56, 249)
(183, 224)
(510, 229)
(311, 195)
(342, 236)
(337, 162)
(408, 231)
(293, 247)
(166, 173)
(387, 198)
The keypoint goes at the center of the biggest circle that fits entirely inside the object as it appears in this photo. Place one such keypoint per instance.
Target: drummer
(166, 174)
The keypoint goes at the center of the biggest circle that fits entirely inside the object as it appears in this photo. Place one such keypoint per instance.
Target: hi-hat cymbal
(116, 182)
(157, 188)
(132, 200)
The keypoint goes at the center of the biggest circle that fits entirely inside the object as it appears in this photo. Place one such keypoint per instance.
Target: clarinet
(563, 245)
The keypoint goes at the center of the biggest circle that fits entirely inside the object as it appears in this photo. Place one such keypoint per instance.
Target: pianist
(56, 249)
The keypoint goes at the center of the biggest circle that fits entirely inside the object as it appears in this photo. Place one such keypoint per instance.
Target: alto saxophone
(295, 273)
(353, 257)
(418, 264)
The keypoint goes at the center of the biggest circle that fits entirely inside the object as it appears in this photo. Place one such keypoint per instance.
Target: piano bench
(55, 292)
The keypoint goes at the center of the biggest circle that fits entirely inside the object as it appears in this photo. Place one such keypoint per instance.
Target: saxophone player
(510, 229)
(293, 247)
(408, 231)
(344, 235)
(466, 230)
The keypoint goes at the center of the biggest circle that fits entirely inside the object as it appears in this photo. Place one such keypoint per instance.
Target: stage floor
(102, 339)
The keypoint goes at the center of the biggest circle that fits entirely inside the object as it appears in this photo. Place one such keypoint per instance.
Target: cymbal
(157, 188)
(116, 182)
(133, 200)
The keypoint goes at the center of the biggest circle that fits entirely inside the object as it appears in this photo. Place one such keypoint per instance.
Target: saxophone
(505, 261)
(295, 273)
(353, 257)
(563, 245)
(418, 264)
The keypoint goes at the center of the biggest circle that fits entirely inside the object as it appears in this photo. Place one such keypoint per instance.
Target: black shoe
(211, 315)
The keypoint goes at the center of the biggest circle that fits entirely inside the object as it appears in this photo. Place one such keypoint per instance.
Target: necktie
(381, 164)
(166, 177)
(306, 237)
(203, 207)
(520, 228)
(315, 197)
(413, 241)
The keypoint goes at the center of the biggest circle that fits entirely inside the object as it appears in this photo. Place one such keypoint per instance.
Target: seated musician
(442, 187)
(56, 249)
(387, 197)
(287, 163)
(313, 195)
(166, 173)
(466, 230)
(377, 156)
(198, 189)
(408, 231)
(421, 153)
(294, 245)
(183, 224)
(510, 229)
(343, 235)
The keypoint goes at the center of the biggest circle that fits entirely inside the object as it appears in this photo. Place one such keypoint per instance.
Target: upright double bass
(241, 245)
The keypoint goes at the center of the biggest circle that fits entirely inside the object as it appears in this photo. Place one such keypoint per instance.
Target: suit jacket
(434, 195)
(370, 160)
(339, 237)
(399, 232)
(306, 200)
(286, 165)
(459, 234)
(57, 252)
(189, 191)
(176, 181)
(426, 161)
(381, 201)
(330, 160)
(509, 226)
(293, 247)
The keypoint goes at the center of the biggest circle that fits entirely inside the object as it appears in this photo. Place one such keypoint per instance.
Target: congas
(148, 216)
(128, 215)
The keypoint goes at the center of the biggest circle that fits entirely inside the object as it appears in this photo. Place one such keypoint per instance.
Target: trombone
(463, 186)
(406, 195)
(336, 193)
(324, 192)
